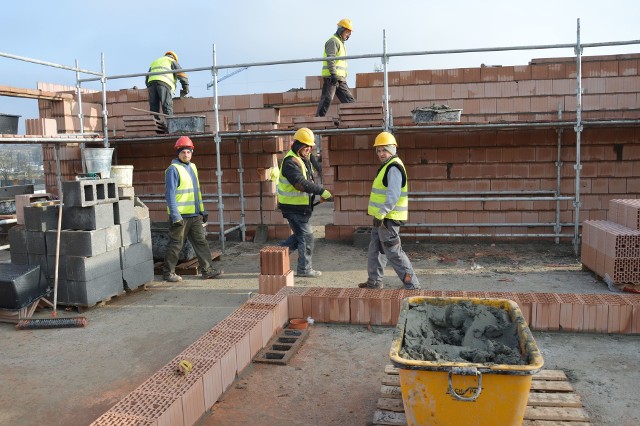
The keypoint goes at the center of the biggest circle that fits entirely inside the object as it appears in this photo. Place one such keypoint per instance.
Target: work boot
(172, 277)
(412, 287)
(310, 274)
(367, 284)
(212, 274)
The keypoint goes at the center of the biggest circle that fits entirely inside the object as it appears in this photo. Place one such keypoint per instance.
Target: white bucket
(123, 175)
(98, 160)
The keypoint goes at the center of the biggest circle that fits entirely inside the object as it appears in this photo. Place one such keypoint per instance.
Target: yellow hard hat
(346, 23)
(305, 136)
(385, 138)
(169, 52)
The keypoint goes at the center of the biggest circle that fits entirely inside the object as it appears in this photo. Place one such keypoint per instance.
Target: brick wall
(462, 160)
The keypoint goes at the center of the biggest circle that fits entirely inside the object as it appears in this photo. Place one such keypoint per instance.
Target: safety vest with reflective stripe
(185, 192)
(163, 64)
(379, 194)
(340, 64)
(287, 193)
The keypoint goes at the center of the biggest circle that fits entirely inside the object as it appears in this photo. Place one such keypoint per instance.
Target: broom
(43, 323)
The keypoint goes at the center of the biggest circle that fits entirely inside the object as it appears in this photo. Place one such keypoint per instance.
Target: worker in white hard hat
(296, 194)
(162, 86)
(334, 72)
(389, 206)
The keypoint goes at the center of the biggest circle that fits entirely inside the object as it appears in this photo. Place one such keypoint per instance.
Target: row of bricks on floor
(223, 352)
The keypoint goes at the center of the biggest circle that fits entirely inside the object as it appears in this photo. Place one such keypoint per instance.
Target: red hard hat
(184, 142)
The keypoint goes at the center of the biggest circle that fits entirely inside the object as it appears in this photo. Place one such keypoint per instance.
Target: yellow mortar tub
(459, 393)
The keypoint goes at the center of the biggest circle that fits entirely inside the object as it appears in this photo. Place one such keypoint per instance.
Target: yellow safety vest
(163, 64)
(379, 195)
(287, 193)
(341, 64)
(185, 192)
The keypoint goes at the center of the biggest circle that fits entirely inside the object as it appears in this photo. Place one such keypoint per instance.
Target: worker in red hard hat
(162, 86)
(296, 193)
(187, 214)
(334, 71)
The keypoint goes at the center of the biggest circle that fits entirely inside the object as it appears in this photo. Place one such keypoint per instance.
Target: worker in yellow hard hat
(162, 86)
(296, 194)
(334, 71)
(389, 206)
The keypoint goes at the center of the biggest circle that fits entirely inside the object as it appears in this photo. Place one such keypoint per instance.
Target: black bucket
(9, 124)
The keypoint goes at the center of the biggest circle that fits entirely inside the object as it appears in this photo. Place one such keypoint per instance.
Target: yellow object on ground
(460, 393)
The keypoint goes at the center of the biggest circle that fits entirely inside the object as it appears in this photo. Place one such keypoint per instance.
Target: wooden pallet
(552, 401)
(188, 267)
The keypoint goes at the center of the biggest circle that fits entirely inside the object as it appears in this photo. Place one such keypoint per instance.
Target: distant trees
(20, 164)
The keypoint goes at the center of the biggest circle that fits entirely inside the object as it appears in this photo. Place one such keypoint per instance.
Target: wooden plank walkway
(552, 401)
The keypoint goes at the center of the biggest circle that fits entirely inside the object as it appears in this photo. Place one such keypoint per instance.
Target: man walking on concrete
(334, 72)
(296, 193)
(187, 214)
(388, 204)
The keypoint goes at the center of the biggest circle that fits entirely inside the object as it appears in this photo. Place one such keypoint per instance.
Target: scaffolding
(218, 135)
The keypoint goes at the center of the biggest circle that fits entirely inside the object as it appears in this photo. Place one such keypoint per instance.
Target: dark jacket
(292, 171)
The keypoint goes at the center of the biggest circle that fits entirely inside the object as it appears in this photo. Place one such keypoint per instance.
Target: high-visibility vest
(185, 192)
(341, 64)
(379, 194)
(163, 64)
(287, 193)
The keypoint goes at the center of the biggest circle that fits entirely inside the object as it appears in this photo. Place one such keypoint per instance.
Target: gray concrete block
(144, 229)
(87, 218)
(362, 237)
(129, 233)
(142, 211)
(51, 267)
(85, 193)
(126, 192)
(90, 268)
(36, 243)
(135, 254)
(41, 218)
(18, 239)
(39, 259)
(113, 237)
(89, 293)
(123, 211)
(138, 275)
(77, 242)
(19, 258)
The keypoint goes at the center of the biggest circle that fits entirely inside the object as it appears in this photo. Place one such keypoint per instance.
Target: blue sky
(133, 33)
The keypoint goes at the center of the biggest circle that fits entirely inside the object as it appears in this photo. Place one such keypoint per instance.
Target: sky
(131, 34)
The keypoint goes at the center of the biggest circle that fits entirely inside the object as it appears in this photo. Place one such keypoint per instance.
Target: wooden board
(552, 401)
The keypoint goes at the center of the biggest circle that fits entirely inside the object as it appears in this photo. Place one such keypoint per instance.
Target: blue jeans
(301, 240)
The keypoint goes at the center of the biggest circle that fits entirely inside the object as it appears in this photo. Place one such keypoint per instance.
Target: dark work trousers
(301, 240)
(328, 91)
(160, 95)
(385, 246)
(193, 230)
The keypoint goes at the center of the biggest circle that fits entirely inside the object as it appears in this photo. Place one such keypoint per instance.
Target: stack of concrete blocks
(611, 248)
(104, 245)
(275, 270)
(24, 200)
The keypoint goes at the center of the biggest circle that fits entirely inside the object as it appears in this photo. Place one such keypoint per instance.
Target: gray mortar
(461, 332)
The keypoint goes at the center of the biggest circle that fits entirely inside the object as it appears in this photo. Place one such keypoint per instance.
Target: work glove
(378, 220)
(333, 80)
(205, 217)
(183, 93)
(326, 195)
(178, 223)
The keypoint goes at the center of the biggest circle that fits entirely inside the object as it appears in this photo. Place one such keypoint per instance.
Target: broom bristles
(32, 324)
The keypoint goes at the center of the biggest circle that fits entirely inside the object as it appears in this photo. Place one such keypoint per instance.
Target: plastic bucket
(9, 124)
(98, 160)
(465, 393)
(123, 175)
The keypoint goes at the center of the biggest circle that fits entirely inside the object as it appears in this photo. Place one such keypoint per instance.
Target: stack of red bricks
(361, 114)
(611, 248)
(325, 122)
(275, 270)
